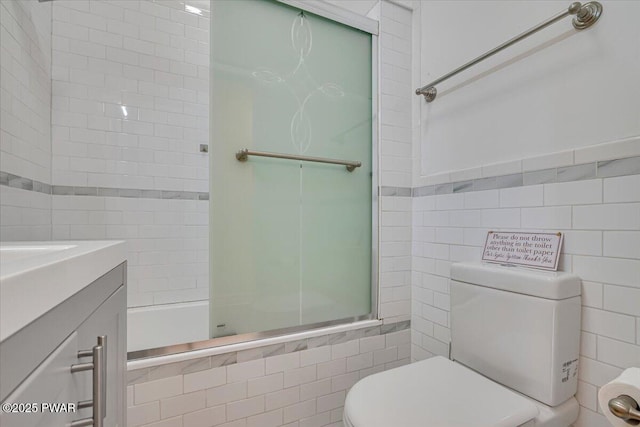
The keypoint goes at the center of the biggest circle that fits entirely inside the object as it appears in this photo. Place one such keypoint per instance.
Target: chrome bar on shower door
(244, 154)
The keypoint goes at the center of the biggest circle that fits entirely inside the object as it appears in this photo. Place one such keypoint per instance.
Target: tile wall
(130, 109)
(596, 204)
(306, 386)
(395, 161)
(25, 120)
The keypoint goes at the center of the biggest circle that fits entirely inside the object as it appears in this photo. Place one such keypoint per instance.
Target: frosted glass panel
(290, 240)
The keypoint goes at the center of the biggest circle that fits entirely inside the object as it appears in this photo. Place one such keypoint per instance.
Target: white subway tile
(573, 193)
(345, 381)
(282, 398)
(588, 344)
(501, 218)
(609, 324)
(623, 244)
(330, 401)
(592, 294)
(582, 242)
(504, 168)
(299, 376)
(587, 395)
(346, 349)
(449, 201)
(202, 379)
(315, 355)
(449, 235)
(613, 150)
(299, 410)
(385, 355)
(315, 389)
(159, 389)
(466, 174)
(547, 218)
(622, 189)
(435, 346)
(531, 195)
(182, 404)
(622, 299)
(607, 270)
(588, 418)
(481, 199)
(226, 393)
(359, 361)
(143, 414)
(332, 368)
(597, 373)
(617, 353)
(244, 371)
(607, 217)
(206, 417)
(264, 385)
(245, 408)
(268, 419)
(554, 160)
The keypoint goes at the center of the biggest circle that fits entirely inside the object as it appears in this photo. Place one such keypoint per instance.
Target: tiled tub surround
(25, 118)
(596, 205)
(116, 176)
(130, 109)
(298, 383)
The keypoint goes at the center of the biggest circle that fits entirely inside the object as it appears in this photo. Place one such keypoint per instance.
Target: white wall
(546, 103)
(557, 90)
(25, 119)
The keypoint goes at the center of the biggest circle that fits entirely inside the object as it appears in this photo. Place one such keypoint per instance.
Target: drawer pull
(99, 386)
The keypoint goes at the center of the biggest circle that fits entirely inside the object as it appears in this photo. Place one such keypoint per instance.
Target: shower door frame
(370, 26)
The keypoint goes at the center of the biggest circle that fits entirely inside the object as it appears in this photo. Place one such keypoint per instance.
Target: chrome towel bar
(244, 154)
(586, 16)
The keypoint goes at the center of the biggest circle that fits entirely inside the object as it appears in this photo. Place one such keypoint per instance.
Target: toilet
(515, 339)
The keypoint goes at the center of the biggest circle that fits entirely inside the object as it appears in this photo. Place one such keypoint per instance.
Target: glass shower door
(290, 240)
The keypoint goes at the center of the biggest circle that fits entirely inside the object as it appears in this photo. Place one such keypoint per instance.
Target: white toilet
(515, 339)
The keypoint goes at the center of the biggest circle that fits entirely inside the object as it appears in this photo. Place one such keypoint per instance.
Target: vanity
(63, 334)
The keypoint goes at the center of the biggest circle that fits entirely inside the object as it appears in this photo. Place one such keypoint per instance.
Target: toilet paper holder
(626, 408)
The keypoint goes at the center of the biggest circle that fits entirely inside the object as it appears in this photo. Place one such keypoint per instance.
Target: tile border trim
(594, 170)
(23, 183)
(142, 375)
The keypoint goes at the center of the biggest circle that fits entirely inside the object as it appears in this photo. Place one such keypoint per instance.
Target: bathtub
(167, 324)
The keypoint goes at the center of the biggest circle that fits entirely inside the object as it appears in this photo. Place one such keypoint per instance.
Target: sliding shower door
(291, 239)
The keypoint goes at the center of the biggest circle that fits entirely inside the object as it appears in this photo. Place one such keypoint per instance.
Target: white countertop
(37, 276)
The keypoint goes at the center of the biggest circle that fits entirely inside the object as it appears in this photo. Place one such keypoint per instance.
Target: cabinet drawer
(51, 382)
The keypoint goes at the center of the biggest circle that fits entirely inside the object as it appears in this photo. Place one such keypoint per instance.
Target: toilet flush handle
(625, 407)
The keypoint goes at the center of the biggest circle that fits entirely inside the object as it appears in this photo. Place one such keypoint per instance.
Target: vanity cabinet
(52, 370)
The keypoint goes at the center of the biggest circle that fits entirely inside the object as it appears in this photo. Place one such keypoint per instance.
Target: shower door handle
(243, 156)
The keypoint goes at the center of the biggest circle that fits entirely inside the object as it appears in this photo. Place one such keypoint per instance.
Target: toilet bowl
(440, 393)
(515, 338)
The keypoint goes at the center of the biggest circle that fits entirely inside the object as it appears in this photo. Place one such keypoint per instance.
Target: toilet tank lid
(554, 285)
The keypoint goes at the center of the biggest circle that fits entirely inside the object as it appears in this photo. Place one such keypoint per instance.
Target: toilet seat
(434, 393)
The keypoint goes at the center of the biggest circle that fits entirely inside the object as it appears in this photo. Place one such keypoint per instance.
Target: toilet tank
(519, 327)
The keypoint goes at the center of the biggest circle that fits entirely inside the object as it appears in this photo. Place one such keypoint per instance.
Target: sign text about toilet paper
(537, 250)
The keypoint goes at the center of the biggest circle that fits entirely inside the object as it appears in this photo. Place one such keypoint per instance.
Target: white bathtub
(168, 324)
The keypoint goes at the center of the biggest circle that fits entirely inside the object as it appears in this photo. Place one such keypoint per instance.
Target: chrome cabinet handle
(99, 387)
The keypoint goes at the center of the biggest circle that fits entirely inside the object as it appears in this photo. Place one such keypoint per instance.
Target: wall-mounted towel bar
(586, 16)
(244, 154)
